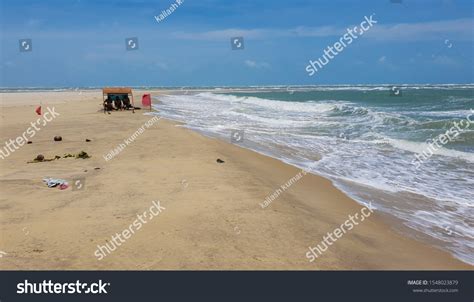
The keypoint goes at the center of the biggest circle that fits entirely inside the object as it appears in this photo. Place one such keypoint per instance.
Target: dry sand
(212, 219)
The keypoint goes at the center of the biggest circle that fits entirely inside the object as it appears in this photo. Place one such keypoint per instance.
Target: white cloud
(444, 60)
(224, 34)
(459, 29)
(386, 63)
(33, 22)
(261, 33)
(321, 31)
(253, 64)
(161, 65)
(451, 30)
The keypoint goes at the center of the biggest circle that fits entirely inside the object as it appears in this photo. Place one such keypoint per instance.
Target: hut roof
(107, 90)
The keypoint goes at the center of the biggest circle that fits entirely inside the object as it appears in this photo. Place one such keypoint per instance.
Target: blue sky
(79, 43)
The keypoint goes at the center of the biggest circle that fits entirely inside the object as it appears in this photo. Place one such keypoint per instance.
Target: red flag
(146, 100)
(38, 110)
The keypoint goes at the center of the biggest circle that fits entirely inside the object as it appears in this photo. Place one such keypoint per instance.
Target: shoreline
(213, 218)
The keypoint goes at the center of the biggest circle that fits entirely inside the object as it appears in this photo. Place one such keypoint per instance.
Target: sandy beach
(212, 218)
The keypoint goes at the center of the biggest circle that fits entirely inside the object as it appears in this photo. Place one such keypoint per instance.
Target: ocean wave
(270, 104)
(419, 147)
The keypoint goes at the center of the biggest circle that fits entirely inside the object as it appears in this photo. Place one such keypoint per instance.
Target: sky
(82, 43)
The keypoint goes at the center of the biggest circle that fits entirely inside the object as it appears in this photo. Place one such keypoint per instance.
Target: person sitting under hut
(126, 103)
(108, 104)
(118, 103)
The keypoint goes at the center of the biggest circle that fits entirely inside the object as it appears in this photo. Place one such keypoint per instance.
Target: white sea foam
(419, 147)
